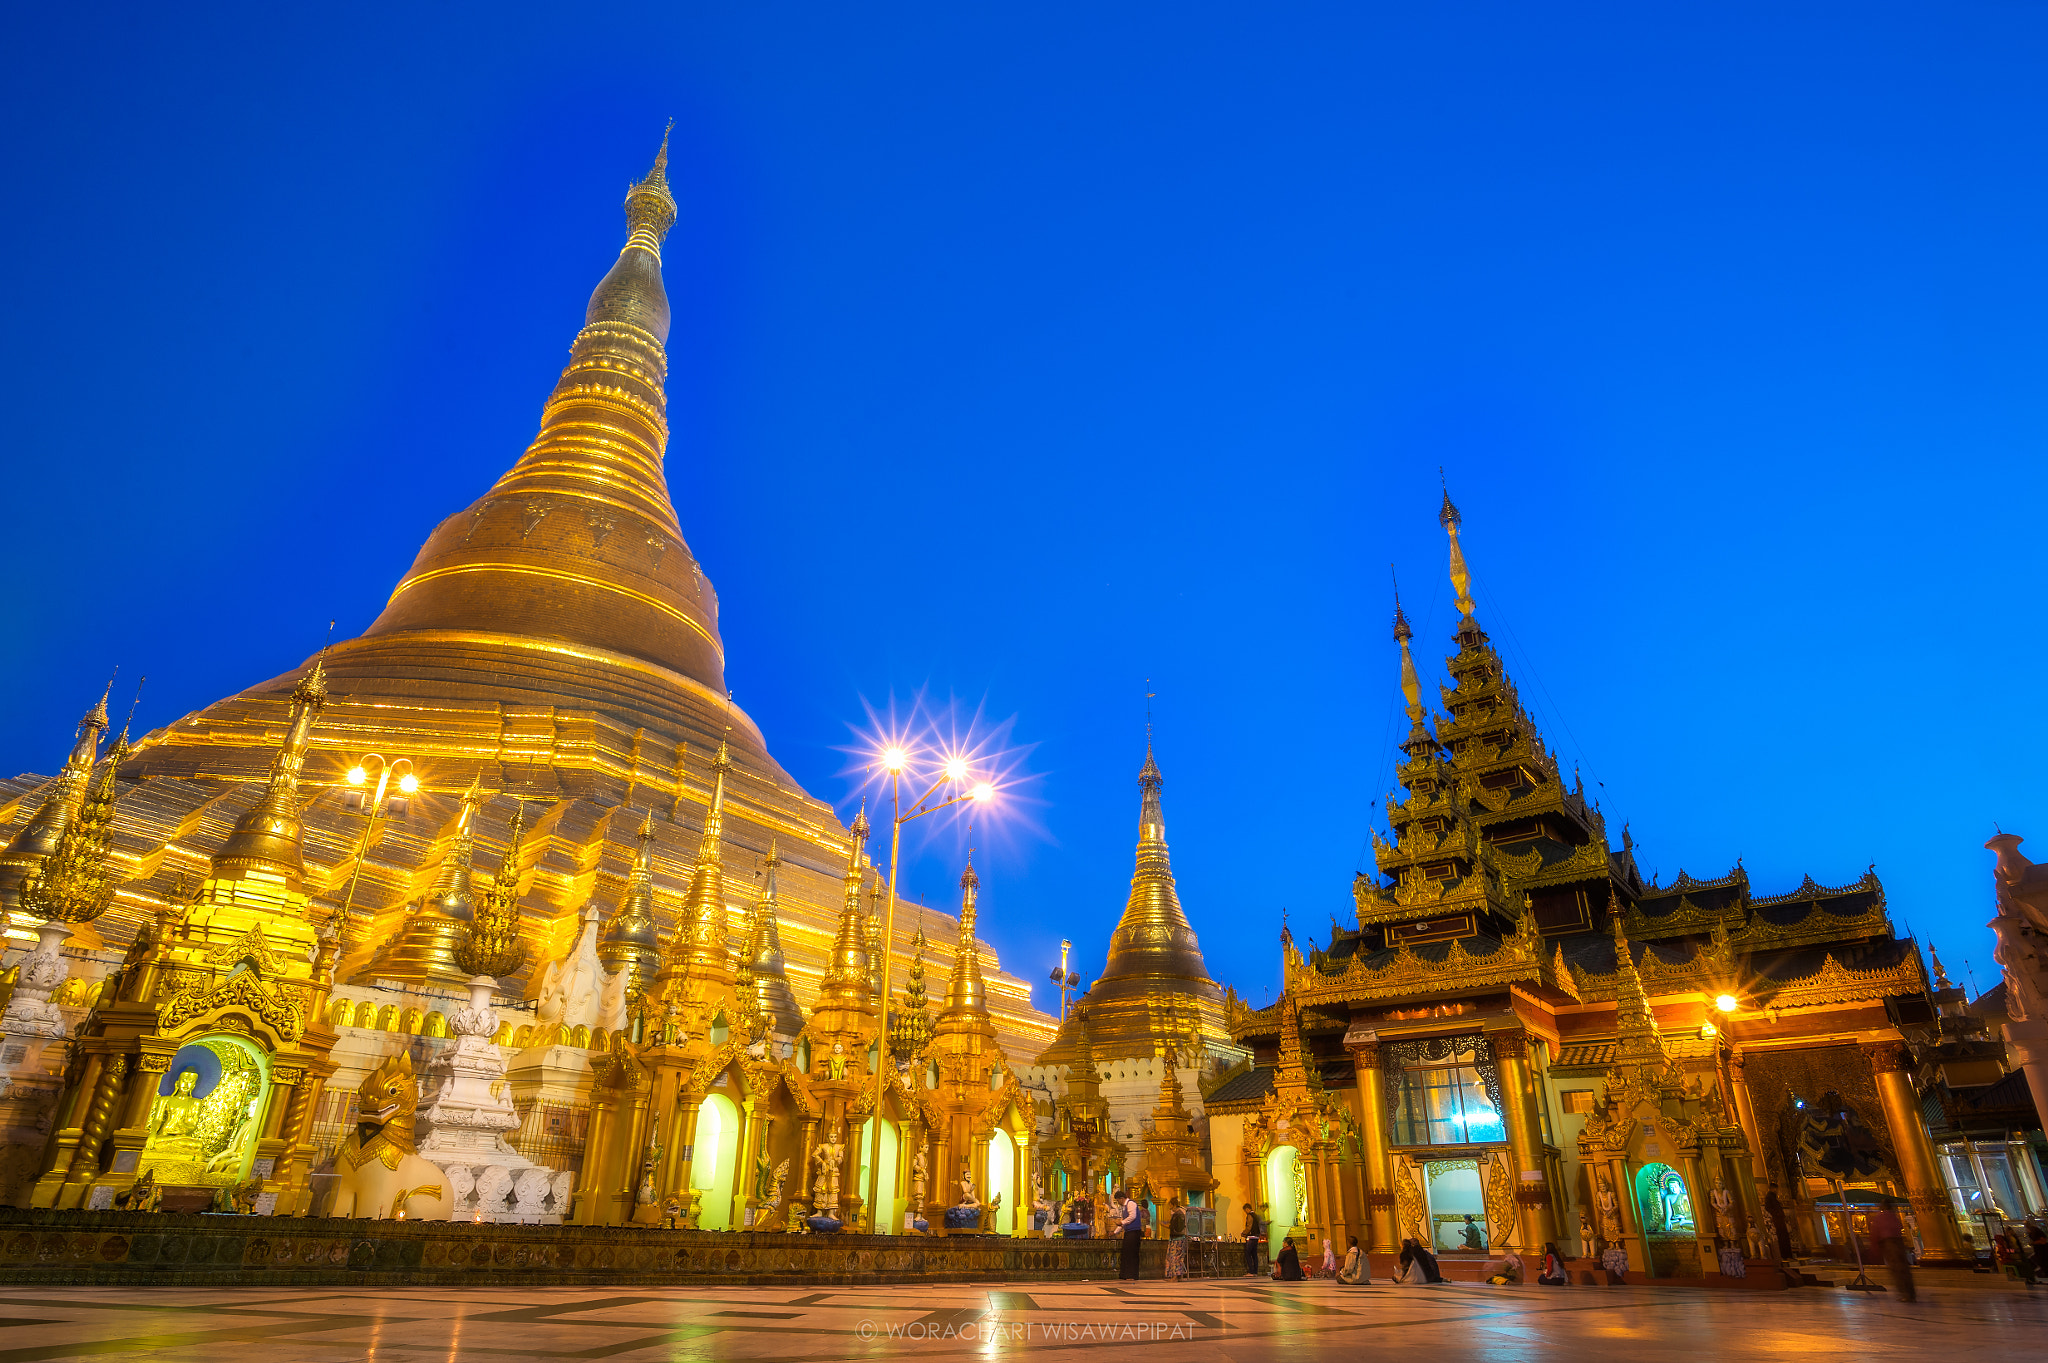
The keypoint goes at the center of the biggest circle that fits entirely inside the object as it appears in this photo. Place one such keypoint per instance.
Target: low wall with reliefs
(50, 1247)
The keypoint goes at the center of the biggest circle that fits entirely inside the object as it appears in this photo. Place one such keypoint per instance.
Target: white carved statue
(572, 990)
(30, 1012)
(968, 1197)
(919, 1169)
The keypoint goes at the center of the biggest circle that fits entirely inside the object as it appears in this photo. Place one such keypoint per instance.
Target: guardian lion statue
(382, 1175)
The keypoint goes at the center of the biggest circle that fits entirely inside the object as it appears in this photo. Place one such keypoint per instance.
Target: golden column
(597, 1142)
(1745, 1116)
(1891, 1067)
(1375, 1175)
(1534, 1217)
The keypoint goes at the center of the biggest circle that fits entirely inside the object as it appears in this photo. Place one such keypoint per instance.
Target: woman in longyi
(381, 1175)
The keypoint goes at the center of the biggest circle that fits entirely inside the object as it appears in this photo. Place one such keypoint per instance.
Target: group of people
(1127, 1223)
(1417, 1264)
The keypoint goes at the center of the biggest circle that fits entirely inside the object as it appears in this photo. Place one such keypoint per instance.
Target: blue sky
(1023, 354)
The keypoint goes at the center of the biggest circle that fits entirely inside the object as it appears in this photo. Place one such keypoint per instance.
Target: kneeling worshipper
(1287, 1266)
(1510, 1270)
(1418, 1265)
(1328, 1267)
(1354, 1270)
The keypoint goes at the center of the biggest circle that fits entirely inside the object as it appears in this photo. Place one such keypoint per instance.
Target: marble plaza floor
(1233, 1320)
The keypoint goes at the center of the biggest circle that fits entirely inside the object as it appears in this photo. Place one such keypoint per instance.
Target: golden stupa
(1155, 990)
(554, 641)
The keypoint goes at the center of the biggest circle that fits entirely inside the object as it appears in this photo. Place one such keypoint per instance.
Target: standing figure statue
(919, 1169)
(828, 1158)
(1724, 1210)
(1610, 1213)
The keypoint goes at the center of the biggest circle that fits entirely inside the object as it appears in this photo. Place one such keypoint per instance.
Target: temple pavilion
(1524, 1041)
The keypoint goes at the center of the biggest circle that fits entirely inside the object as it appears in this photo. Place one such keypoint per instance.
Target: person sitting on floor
(1552, 1274)
(1418, 1265)
(1510, 1271)
(1354, 1271)
(1287, 1266)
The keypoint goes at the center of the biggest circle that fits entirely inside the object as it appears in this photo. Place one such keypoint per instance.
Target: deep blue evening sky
(1024, 353)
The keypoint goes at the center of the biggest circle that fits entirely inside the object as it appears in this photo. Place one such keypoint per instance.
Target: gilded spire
(1461, 578)
(764, 956)
(871, 936)
(1635, 1026)
(1153, 937)
(39, 836)
(1411, 685)
(846, 975)
(266, 843)
(700, 950)
(631, 940)
(76, 882)
(577, 544)
(493, 946)
(967, 991)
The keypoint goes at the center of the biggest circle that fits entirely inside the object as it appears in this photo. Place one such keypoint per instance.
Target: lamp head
(895, 759)
(956, 769)
(1727, 1003)
(408, 783)
(984, 792)
(356, 775)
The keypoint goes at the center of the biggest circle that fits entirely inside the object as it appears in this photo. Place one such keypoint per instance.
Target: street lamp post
(896, 761)
(374, 806)
(1064, 979)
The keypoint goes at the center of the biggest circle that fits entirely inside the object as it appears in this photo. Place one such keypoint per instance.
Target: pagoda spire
(578, 543)
(764, 956)
(1461, 577)
(76, 882)
(630, 941)
(1635, 1026)
(1419, 738)
(700, 947)
(846, 974)
(967, 990)
(39, 836)
(1153, 937)
(267, 842)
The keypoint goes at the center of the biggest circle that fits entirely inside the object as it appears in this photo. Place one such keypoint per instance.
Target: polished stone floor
(1232, 1320)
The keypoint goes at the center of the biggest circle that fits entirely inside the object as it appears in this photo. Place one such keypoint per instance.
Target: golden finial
(1461, 578)
(650, 208)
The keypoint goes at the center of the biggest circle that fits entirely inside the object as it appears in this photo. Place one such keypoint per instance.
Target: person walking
(1888, 1238)
(1131, 1225)
(1355, 1270)
(1253, 1233)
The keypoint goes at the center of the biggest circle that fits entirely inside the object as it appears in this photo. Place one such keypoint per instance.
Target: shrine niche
(207, 1114)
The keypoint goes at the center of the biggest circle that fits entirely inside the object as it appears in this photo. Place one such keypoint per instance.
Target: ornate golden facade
(1524, 1042)
(556, 642)
(551, 670)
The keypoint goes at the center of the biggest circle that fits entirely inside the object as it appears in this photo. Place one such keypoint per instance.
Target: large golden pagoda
(1155, 989)
(556, 640)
